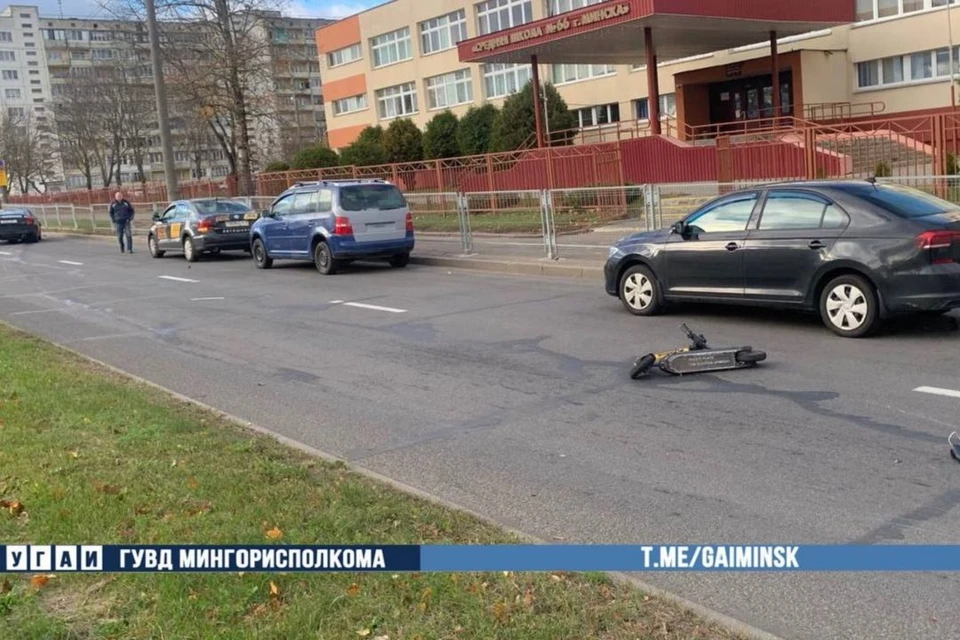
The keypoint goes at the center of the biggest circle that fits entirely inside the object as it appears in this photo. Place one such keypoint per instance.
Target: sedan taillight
(205, 225)
(939, 244)
(30, 220)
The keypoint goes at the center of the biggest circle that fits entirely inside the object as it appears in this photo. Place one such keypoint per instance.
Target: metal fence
(573, 224)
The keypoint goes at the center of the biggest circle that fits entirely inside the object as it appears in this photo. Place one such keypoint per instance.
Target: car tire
(400, 261)
(259, 253)
(154, 247)
(323, 259)
(190, 252)
(849, 306)
(749, 356)
(640, 292)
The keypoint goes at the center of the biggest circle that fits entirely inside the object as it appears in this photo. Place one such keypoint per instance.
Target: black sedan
(17, 225)
(854, 251)
(197, 227)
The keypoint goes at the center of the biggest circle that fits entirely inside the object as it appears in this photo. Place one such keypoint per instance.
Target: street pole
(169, 169)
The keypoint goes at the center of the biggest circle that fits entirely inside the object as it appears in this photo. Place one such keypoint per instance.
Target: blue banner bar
(476, 558)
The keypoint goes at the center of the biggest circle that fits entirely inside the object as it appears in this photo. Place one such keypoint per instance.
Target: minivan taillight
(409, 223)
(342, 227)
(940, 245)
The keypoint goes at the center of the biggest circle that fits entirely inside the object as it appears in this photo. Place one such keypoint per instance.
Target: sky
(297, 8)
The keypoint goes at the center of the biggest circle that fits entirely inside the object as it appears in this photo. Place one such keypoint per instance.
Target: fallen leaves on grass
(353, 589)
(363, 633)
(193, 484)
(274, 534)
(73, 453)
(5, 587)
(40, 581)
(15, 507)
(109, 489)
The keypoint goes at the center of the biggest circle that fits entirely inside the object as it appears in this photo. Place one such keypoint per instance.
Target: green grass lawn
(89, 457)
(513, 221)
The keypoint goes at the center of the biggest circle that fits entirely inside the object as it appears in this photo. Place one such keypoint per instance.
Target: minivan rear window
(902, 201)
(371, 196)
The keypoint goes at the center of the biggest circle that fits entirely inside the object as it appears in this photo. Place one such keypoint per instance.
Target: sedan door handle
(733, 246)
(816, 245)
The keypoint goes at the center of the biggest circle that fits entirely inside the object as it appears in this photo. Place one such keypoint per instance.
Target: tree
(403, 141)
(516, 123)
(440, 137)
(25, 149)
(316, 158)
(78, 126)
(276, 166)
(371, 134)
(475, 129)
(364, 153)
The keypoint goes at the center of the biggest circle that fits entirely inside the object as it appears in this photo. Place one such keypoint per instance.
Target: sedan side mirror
(155, 217)
(265, 213)
(679, 228)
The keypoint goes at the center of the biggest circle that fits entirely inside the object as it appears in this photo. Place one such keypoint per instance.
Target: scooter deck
(703, 361)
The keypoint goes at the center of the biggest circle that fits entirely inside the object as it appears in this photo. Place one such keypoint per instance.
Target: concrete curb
(734, 626)
(509, 266)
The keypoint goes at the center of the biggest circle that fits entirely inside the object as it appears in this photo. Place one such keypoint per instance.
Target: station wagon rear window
(208, 207)
(902, 201)
(371, 196)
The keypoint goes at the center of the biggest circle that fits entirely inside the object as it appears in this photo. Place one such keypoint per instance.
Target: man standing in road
(121, 214)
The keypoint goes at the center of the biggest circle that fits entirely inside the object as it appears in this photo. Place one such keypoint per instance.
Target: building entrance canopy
(612, 32)
(648, 31)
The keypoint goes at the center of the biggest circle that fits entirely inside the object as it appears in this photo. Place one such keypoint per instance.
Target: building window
(78, 55)
(7, 56)
(501, 80)
(390, 48)
(876, 9)
(599, 115)
(31, 53)
(36, 90)
(101, 36)
(6, 36)
(11, 94)
(26, 15)
(563, 73)
(444, 32)
(397, 101)
(30, 45)
(34, 82)
(9, 74)
(350, 105)
(915, 67)
(15, 112)
(103, 54)
(496, 15)
(34, 72)
(562, 6)
(345, 55)
(668, 107)
(450, 89)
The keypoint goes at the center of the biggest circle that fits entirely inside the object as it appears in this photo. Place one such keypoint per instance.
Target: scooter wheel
(750, 357)
(642, 366)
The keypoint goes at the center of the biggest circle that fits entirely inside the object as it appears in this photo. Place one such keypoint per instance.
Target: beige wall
(828, 64)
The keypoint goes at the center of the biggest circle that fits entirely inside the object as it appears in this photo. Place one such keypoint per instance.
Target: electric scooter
(697, 358)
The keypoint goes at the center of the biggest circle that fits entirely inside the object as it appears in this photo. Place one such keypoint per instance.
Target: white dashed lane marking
(937, 391)
(5, 253)
(204, 299)
(75, 264)
(176, 279)
(369, 307)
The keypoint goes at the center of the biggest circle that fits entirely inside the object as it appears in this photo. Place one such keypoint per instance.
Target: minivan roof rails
(345, 180)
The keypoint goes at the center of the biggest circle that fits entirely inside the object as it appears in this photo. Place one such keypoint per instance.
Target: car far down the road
(202, 226)
(333, 223)
(19, 225)
(854, 251)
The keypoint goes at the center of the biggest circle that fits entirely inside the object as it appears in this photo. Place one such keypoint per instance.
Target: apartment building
(40, 56)
(400, 59)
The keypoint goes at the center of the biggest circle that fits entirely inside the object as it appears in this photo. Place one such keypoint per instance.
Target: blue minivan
(333, 223)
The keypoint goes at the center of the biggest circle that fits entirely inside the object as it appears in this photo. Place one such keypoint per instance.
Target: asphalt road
(509, 395)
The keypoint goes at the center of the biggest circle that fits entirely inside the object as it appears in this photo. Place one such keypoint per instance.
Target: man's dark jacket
(121, 211)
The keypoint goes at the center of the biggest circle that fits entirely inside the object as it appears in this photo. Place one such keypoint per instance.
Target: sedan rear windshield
(902, 201)
(371, 196)
(209, 207)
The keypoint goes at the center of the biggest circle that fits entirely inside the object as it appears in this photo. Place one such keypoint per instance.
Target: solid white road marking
(76, 264)
(336, 302)
(29, 313)
(204, 299)
(5, 253)
(373, 307)
(176, 279)
(936, 391)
